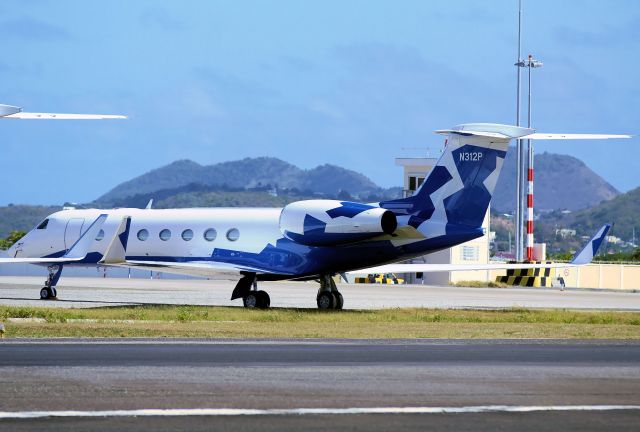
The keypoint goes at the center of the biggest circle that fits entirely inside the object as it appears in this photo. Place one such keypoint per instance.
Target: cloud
(26, 28)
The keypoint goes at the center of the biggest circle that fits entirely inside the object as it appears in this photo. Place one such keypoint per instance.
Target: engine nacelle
(331, 222)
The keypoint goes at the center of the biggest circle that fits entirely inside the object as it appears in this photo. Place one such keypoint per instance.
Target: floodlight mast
(519, 221)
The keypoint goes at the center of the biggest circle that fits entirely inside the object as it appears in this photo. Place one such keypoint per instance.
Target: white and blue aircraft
(305, 240)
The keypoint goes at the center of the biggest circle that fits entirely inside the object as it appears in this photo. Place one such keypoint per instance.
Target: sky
(353, 83)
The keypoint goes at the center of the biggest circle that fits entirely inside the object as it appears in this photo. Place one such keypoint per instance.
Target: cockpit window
(43, 224)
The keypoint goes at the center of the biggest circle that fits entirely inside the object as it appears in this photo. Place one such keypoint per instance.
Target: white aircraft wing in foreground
(581, 258)
(14, 112)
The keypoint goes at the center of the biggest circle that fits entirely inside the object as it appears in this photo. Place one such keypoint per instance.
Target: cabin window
(165, 234)
(143, 234)
(233, 234)
(210, 234)
(100, 235)
(187, 235)
(43, 224)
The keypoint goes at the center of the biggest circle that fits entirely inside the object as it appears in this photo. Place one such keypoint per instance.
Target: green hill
(623, 211)
(247, 173)
(561, 182)
(23, 217)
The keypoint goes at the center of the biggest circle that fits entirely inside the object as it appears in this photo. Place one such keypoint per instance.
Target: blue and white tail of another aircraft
(312, 239)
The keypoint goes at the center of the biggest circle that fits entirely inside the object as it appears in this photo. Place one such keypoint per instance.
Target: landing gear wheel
(251, 300)
(264, 301)
(48, 293)
(44, 293)
(339, 300)
(326, 300)
(257, 299)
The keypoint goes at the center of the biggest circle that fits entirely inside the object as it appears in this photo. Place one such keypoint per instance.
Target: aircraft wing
(55, 116)
(77, 252)
(207, 269)
(585, 256)
(14, 112)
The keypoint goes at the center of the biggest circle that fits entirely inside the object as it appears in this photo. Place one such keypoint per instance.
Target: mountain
(247, 173)
(561, 182)
(23, 217)
(623, 211)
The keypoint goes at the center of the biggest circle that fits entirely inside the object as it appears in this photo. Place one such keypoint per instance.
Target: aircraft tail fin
(459, 188)
(591, 249)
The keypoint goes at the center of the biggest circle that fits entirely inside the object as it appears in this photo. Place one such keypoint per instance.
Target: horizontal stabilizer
(488, 130)
(559, 136)
(500, 131)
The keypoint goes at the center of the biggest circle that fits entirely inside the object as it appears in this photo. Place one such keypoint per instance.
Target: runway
(92, 292)
(426, 375)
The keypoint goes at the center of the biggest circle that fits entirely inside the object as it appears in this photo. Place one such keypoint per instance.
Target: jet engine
(331, 222)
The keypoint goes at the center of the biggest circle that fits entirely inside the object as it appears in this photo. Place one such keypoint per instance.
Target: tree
(13, 237)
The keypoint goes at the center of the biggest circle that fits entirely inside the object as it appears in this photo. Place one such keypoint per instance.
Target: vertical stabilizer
(458, 190)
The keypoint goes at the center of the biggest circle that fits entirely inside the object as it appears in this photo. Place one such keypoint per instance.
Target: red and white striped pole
(530, 205)
(532, 63)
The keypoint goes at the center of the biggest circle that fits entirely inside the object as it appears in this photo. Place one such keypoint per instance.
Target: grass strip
(234, 322)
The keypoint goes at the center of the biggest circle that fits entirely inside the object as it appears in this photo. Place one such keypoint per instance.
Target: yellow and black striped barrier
(379, 280)
(538, 277)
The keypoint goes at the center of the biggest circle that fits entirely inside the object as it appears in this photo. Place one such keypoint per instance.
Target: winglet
(117, 249)
(591, 249)
(81, 247)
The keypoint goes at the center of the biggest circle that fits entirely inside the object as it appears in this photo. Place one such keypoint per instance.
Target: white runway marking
(312, 411)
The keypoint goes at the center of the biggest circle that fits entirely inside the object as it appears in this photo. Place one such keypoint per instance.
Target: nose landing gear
(49, 292)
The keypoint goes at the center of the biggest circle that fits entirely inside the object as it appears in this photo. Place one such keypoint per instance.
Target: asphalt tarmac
(491, 384)
(92, 292)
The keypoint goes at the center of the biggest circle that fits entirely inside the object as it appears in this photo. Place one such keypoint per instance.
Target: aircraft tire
(44, 293)
(264, 301)
(339, 300)
(326, 300)
(251, 300)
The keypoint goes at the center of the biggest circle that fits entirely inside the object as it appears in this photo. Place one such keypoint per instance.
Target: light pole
(531, 63)
(519, 149)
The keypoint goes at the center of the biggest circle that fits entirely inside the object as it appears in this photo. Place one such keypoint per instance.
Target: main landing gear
(328, 298)
(328, 295)
(49, 292)
(247, 289)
